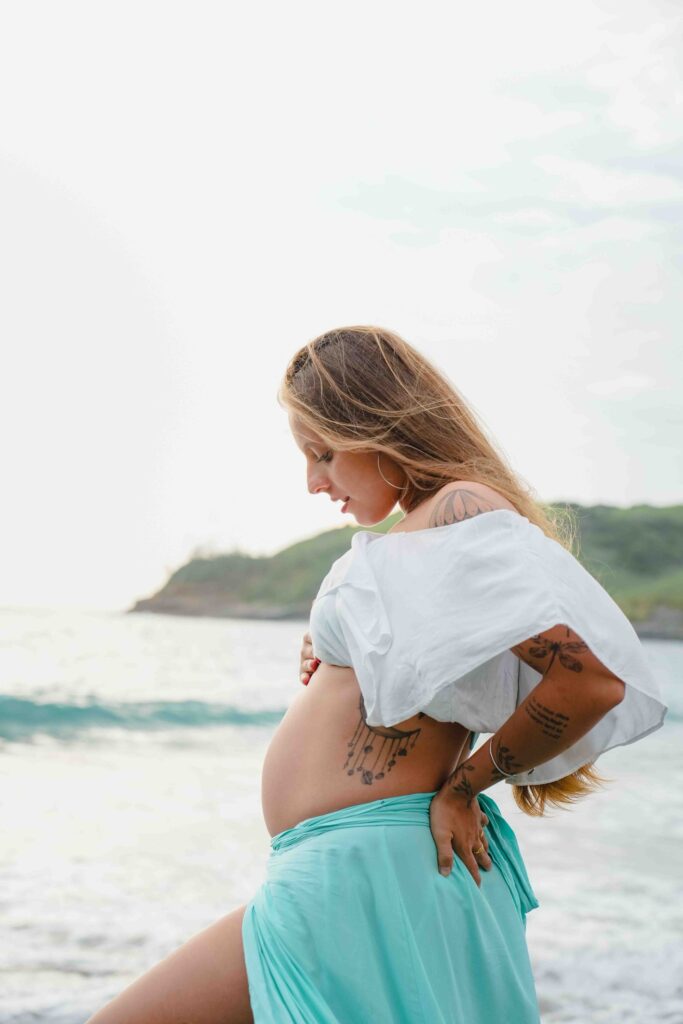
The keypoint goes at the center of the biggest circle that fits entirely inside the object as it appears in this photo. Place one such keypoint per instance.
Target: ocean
(131, 749)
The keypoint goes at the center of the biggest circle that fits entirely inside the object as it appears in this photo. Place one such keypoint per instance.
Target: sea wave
(21, 719)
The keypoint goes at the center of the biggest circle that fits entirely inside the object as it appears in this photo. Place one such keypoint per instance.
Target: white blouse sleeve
(429, 617)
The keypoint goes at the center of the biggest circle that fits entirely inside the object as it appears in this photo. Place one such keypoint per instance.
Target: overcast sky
(189, 192)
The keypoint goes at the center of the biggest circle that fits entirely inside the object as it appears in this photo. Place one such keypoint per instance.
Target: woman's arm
(576, 691)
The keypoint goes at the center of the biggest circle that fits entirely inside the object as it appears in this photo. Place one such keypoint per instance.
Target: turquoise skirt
(354, 924)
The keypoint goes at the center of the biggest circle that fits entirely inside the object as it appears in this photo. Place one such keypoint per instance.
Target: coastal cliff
(635, 553)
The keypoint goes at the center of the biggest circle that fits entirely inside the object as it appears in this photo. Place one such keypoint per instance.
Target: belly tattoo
(385, 743)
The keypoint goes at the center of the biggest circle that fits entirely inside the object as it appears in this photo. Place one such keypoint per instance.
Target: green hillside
(635, 553)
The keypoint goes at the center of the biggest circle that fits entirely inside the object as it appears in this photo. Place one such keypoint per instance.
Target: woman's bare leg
(204, 981)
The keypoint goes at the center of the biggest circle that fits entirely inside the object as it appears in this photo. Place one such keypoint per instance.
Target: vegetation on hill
(635, 553)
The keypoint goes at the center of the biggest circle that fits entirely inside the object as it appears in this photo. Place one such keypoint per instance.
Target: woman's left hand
(457, 827)
(308, 661)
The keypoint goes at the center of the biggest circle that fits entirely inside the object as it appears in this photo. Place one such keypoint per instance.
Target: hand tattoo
(458, 782)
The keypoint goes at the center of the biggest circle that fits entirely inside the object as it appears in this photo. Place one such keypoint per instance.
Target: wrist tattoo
(505, 758)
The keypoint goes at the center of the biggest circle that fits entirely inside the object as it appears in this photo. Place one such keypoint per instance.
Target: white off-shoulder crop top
(426, 619)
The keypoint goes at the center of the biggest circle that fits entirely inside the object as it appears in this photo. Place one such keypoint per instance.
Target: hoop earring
(397, 486)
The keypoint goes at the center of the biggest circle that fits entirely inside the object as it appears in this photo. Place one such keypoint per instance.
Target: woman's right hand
(309, 663)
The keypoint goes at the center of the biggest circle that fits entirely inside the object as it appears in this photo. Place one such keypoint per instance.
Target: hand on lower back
(457, 830)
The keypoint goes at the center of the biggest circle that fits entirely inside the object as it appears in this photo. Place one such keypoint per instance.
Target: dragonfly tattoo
(542, 646)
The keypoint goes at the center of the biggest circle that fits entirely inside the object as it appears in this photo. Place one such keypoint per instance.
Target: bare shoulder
(463, 499)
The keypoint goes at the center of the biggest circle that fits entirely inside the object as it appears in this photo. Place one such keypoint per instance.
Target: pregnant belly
(323, 755)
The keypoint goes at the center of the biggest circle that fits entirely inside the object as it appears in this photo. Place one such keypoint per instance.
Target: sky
(189, 192)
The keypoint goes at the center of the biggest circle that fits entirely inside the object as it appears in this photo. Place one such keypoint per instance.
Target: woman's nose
(316, 482)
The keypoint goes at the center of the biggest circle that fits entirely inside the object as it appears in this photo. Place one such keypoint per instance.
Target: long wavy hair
(365, 389)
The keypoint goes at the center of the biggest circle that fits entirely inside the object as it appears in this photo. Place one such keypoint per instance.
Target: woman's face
(352, 475)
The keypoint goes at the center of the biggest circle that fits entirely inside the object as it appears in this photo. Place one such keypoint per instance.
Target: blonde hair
(366, 389)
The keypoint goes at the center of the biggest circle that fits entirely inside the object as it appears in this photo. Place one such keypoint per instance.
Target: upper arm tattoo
(556, 648)
(560, 653)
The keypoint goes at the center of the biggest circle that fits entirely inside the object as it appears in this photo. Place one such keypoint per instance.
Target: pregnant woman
(396, 892)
